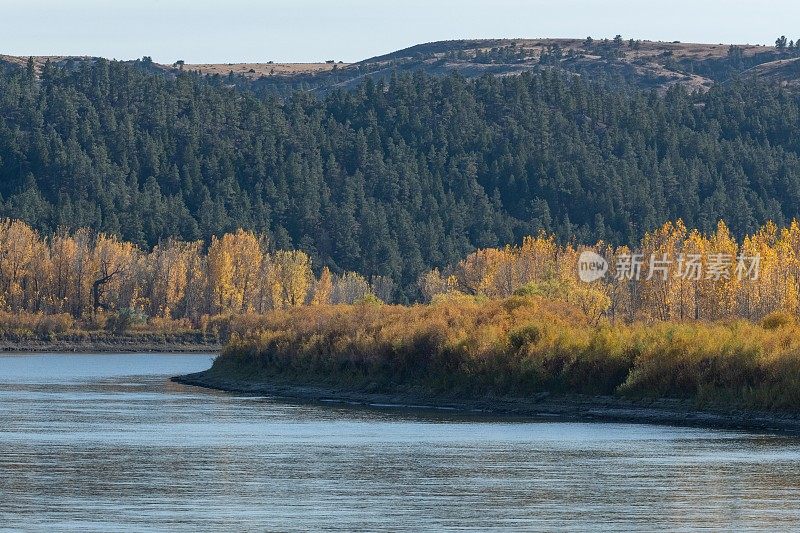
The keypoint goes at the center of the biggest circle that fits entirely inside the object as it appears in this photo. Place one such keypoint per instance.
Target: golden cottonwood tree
(234, 264)
(63, 252)
(477, 273)
(719, 284)
(170, 263)
(291, 278)
(536, 259)
(660, 288)
(323, 288)
(788, 248)
(756, 298)
(195, 302)
(18, 246)
(432, 283)
(689, 276)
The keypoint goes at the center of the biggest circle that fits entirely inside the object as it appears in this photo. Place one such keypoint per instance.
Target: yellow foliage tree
(660, 287)
(291, 278)
(323, 288)
(18, 246)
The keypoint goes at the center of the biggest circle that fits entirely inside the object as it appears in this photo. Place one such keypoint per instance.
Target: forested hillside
(390, 179)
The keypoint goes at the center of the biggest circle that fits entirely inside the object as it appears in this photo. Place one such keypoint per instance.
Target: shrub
(551, 289)
(29, 324)
(123, 320)
(368, 299)
(15, 323)
(525, 335)
(777, 319)
(170, 325)
(49, 325)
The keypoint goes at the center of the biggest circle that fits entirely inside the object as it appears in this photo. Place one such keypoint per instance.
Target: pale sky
(205, 31)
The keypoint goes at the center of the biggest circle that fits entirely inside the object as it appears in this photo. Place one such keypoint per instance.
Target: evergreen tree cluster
(394, 178)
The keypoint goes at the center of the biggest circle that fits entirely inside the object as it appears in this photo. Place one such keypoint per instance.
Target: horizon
(367, 58)
(309, 31)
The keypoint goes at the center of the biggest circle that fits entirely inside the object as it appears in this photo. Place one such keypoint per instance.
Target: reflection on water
(106, 442)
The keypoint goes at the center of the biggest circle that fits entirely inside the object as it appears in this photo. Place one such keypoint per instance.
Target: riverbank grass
(470, 348)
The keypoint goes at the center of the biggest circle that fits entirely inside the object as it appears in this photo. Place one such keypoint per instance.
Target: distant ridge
(644, 64)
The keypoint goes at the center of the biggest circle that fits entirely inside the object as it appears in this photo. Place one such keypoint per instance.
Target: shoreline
(543, 406)
(115, 345)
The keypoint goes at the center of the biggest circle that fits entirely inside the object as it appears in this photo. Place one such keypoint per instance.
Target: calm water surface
(107, 443)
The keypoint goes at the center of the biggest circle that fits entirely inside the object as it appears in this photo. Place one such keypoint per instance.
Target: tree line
(83, 273)
(682, 275)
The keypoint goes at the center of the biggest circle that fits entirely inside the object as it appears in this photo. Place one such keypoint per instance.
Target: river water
(107, 443)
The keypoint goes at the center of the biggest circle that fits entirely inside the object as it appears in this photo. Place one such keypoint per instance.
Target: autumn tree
(662, 254)
(171, 262)
(323, 288)
(111, 260)
(350, 288)
(717, 291)
(433, 283)
(234, 263)
(291, 278)
(18, 247)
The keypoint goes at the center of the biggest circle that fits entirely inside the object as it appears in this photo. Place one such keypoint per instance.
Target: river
(107, 443)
